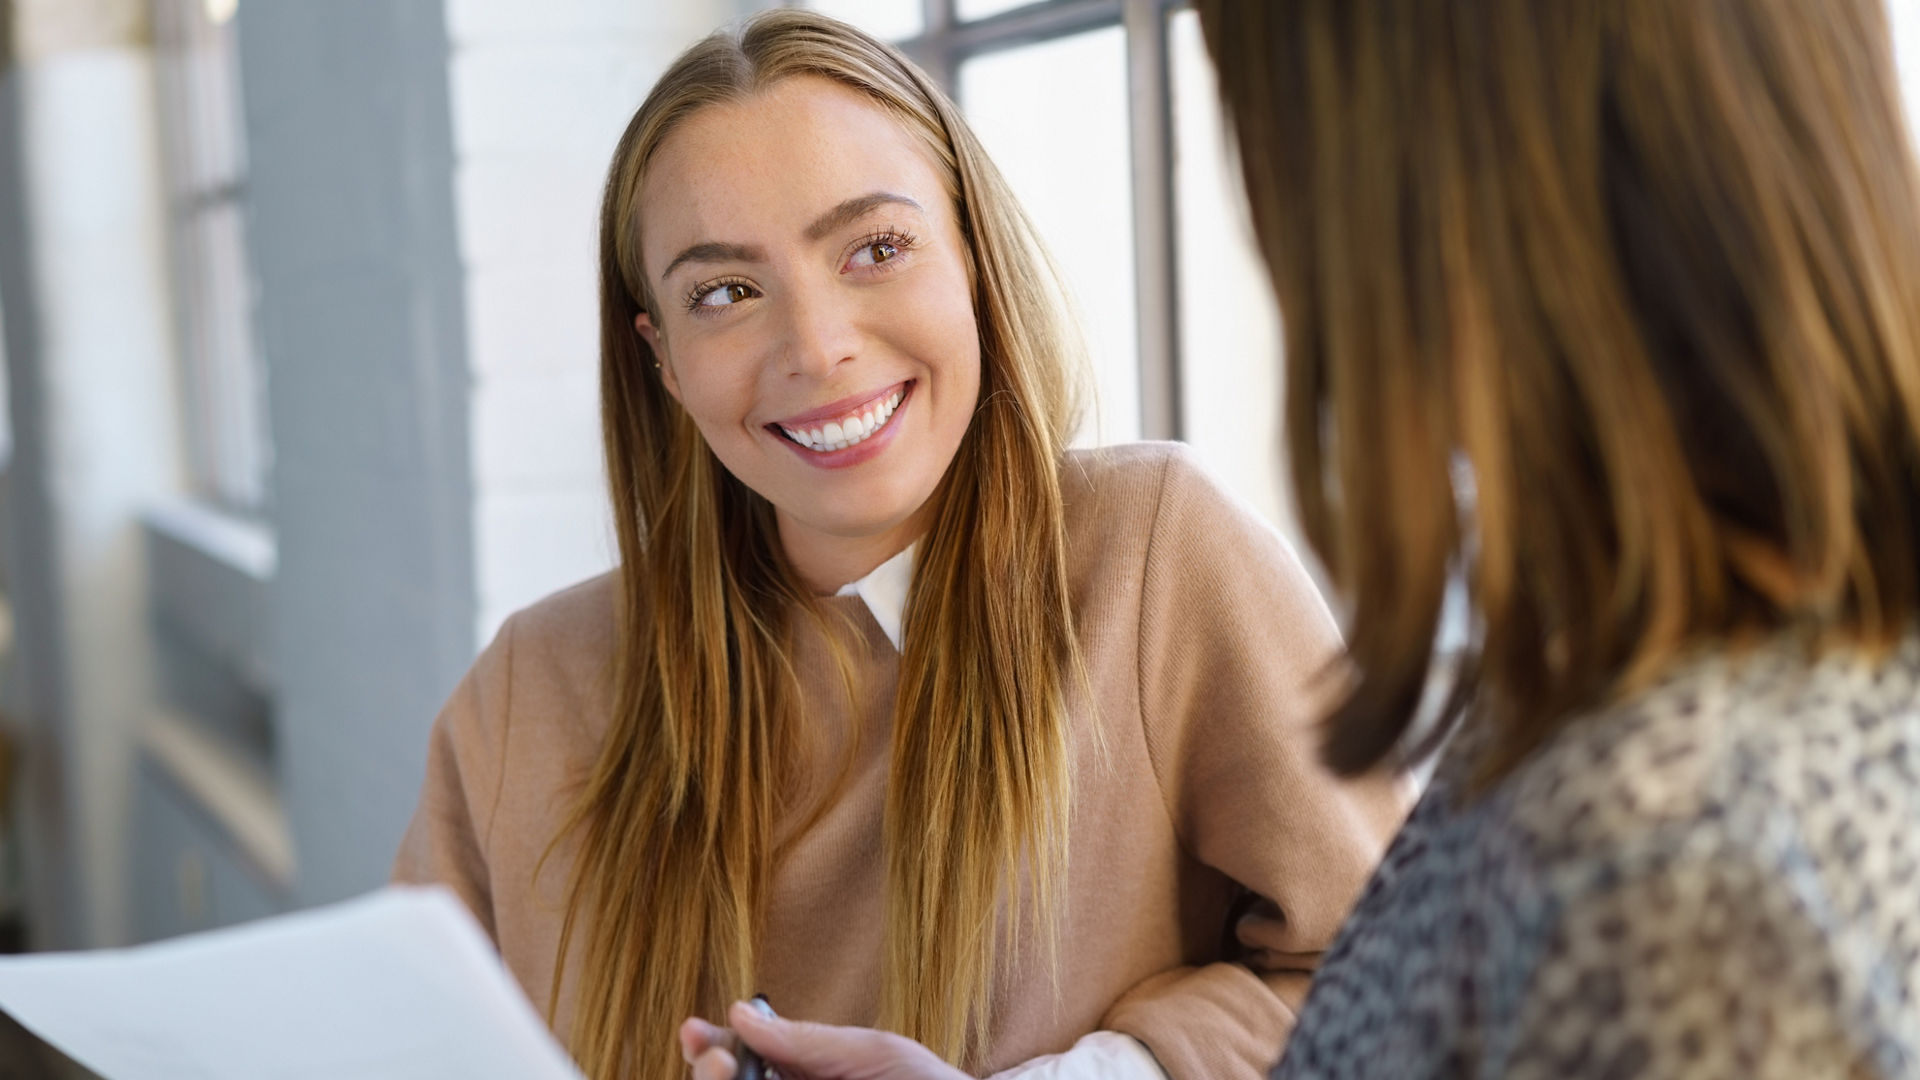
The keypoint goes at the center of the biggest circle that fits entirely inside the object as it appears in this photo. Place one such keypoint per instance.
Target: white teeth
(840, 434)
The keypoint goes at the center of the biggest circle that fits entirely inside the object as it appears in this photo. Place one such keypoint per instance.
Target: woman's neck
(826, 562)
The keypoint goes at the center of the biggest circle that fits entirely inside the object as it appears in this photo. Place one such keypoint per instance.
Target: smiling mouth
(852, 429)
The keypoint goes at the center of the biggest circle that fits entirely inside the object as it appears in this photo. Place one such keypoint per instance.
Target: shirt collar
(885, 591)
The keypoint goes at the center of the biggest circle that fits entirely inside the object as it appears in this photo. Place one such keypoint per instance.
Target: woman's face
(815, 317)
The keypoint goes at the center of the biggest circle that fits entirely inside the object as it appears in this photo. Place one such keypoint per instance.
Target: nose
(821, 332)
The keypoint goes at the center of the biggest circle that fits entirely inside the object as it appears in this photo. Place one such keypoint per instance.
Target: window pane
(1904, 17)
(240, 454)
(1229, 324)
(1054, 118)
(969, 10)
(224, 419)
(889, 20)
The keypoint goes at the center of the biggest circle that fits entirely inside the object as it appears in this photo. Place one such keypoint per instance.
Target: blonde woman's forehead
(763, 169)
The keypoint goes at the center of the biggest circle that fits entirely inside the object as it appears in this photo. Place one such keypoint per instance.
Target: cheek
(963, 338)
(716, 393)
(966, 375)
(948, 332)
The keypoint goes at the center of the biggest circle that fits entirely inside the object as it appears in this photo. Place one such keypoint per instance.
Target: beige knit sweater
(1201, 635)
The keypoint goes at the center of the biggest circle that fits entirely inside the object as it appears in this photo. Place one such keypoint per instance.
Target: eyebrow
(837, 218)
(853, 210)
(713, 252)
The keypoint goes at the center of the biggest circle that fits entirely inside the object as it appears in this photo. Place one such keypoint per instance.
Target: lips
(845, 423)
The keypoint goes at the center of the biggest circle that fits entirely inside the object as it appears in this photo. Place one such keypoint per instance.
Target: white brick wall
(540, 94)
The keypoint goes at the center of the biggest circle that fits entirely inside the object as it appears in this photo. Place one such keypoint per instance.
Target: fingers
(843, 1053)
(714, 1064)
(778, 1038)
(697, 1037)
(796, 1043)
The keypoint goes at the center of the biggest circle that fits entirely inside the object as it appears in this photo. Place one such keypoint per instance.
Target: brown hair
(1644, 275)
(677, 821)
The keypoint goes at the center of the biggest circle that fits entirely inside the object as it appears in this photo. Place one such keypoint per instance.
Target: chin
(860, 527)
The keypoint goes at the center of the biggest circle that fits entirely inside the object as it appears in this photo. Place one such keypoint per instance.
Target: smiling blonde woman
(895, 709)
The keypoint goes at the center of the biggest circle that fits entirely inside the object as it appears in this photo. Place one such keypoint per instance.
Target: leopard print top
(1718, 879)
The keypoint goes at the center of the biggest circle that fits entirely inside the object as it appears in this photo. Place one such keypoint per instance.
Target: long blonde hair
(677, 822)
(1650, 269)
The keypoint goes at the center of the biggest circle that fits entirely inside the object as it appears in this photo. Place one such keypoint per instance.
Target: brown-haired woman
(1612, 306)
(896, 709)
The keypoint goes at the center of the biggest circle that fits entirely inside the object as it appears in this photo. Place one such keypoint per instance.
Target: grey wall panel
(36, 697)
(351, 224)
(186, 874)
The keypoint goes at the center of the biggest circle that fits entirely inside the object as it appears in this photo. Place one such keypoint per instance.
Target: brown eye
(731, 292)
(872, 254)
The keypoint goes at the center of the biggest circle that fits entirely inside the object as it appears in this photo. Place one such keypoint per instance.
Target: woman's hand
(805, 1051)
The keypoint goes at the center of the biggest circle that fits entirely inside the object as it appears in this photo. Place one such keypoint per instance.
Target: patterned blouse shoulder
(1720, 878)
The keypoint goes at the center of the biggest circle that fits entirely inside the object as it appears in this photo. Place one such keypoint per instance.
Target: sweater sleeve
(446, 842)
(1234, 642)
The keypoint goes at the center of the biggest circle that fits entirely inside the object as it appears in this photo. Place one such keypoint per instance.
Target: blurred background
(299, 395)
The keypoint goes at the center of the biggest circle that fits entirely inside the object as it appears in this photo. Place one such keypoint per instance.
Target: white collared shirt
(885, 591)
(1101, 1055)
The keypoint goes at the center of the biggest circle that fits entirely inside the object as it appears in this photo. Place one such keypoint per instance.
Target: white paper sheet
(399, 983)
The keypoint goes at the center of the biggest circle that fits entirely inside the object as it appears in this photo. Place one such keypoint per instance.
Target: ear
(656, 340)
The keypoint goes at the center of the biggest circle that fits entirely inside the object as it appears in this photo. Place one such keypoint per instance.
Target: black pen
(752, 1065)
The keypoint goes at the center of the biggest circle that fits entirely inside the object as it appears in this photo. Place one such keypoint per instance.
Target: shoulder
(564, 627)
(1114, 486)
(1733, 837)
(552, 660)
(1157, 500)
(1739, 822)
(1125, 475)
(1766, 762)
(1725, 743)
(1199, 583)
